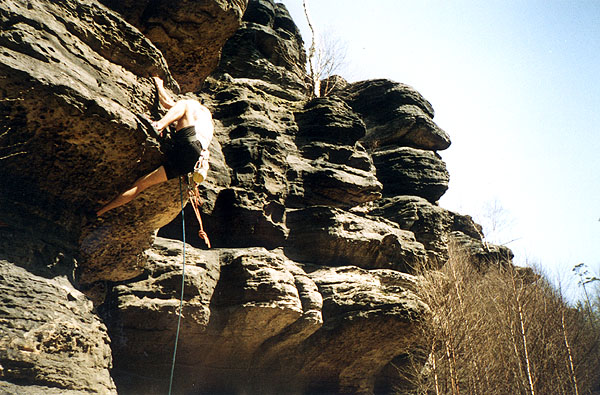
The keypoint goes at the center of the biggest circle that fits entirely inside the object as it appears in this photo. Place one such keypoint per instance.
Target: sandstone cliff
(318, 210)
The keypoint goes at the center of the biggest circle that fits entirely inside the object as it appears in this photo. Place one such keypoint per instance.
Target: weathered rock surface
(395, 115)
(482, 254)
(432, 226)
(70, 136)
(235, 300)
(190, 34)
(267, 47)
(332, 237)
(318, 209)
(250, 313)
(50, 340)
(409, 171)
(368, 317)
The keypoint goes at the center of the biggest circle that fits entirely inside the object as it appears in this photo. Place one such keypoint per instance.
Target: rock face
(257, 321)
(190, 34)
(320, 211)
(50, 336)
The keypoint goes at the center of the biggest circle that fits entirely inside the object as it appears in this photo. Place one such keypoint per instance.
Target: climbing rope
(182, 288)
(196, 203)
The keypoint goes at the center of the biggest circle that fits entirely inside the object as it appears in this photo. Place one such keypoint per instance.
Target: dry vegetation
(503, 330)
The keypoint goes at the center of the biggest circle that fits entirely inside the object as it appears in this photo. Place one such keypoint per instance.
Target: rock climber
(193, 133)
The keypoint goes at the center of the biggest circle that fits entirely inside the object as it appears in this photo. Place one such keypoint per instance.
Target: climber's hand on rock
(156, 125)
(157, 81)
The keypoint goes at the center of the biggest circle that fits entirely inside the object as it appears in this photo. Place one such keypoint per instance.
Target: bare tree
(585, 280)
(496, 222)
(503, 330)
(311, 53)
(326, 56)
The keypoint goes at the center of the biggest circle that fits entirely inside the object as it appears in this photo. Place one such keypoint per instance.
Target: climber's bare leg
(155, 177)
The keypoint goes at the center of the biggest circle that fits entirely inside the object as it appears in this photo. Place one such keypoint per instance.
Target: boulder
(409, 171)
(395, 115)
(332, 237)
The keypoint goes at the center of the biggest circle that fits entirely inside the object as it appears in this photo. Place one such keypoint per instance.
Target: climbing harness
(196, 201)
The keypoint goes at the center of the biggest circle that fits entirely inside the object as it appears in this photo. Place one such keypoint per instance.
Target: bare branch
(326, 55)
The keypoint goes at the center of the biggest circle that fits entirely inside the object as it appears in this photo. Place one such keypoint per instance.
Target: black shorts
(182, 152)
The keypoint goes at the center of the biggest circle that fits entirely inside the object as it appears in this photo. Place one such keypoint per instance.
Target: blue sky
(515, 84)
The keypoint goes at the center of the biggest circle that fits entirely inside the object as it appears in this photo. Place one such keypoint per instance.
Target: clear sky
(515, 84)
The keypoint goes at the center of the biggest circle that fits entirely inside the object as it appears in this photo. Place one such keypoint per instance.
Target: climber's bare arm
(163, 96)
(184, 112)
